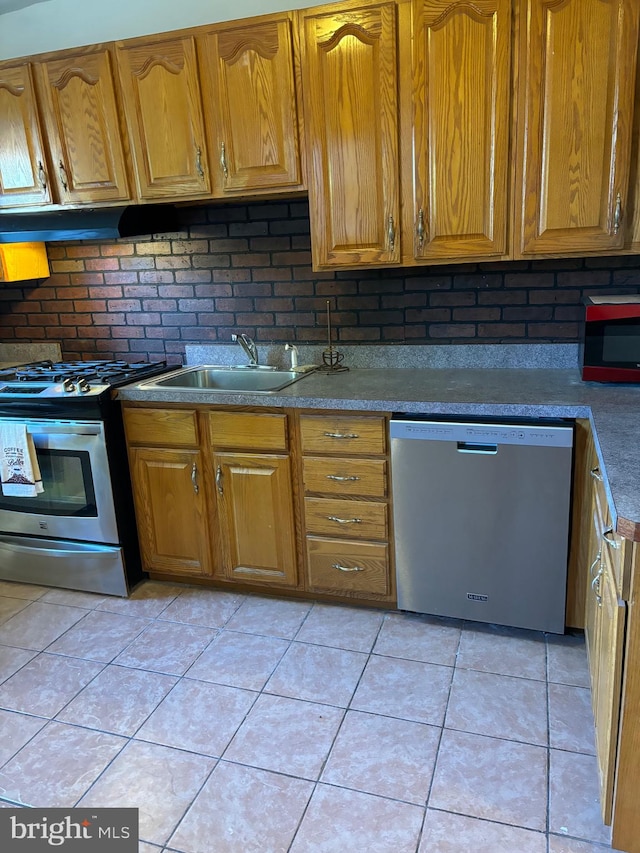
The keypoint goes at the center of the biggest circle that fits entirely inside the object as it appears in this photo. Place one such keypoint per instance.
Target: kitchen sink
(230, 380)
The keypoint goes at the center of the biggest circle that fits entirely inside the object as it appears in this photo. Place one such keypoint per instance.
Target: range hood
(104, 223)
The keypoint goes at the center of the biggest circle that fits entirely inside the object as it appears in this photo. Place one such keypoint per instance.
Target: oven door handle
(41, 427)
(96, 552)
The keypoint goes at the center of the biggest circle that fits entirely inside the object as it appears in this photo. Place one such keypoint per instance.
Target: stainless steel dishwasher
(481, 513)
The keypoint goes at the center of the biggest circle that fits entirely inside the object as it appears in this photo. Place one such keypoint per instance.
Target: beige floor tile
(99, 636)
(11, 660)
(454, 833)
(243, 810)
(46, 684)
(16, 730)
(57, 766)
(198, 716)
(73, 598)
(384, 756)
(340, 820)
(239, 660)
(10, 606)
(28, 591)
(574, 798)
(166, 647)
(349, 628)
(505, 651)
(494, 779)
(571, 719)
(558, 844)
(286, 736)
(143, 847)
(499, 706)
(567, 660)
(408, 689)
(147, 601)
(318, 674)
(159, 781)
(118, 700)
(38, 625)
(211, 608)
(416, 637)
(269, 616)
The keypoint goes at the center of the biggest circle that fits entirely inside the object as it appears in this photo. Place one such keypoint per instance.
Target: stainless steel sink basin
(230, 380)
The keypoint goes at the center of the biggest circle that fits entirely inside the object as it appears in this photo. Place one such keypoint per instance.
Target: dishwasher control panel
(529, 435)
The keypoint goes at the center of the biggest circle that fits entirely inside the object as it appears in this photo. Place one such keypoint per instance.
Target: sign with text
(77, 830)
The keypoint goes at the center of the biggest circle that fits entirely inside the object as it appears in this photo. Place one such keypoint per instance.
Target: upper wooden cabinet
(23, 167)
(163, 105)
(577, 61)
(351, 126)
(459, 129)
(248, 84)
(80, 112)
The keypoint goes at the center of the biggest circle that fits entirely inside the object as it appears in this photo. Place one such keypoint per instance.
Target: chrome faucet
(249, 347)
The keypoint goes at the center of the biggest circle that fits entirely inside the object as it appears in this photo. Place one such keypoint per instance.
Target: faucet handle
(293, 349)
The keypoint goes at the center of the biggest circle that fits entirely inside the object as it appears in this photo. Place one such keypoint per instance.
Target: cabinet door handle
(344, 520)
(42, 175)
(342, 568)
(342, 435)
(609, 538)
(223, 161)
(595, 586)
(595, 473)
(617, 215)
(63, 176)
(342, 479)
(199, 168)
(420, 229)
(219, 479)
(194, 478)
(595, 563)
(391, 234)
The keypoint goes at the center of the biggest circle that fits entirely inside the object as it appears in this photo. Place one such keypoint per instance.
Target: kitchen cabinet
(24, 178)
(80, 112)
(350, 96)
(576, 67)
(163, 107)
(251, 107)
(345, 486)
(254, 496)
(456, 140)
(167, 474)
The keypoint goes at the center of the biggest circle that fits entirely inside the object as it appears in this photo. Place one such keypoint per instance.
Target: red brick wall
(248, 268)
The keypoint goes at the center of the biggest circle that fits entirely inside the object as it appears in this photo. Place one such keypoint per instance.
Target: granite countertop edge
(613, 410)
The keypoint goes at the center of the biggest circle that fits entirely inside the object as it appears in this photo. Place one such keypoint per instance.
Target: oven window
(68, 486)
(621, 343)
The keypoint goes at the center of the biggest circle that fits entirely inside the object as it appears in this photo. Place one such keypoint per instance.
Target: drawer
(352, 519)
(248, 430)
(339, 566)
(343, 434)
(363, 477)
(165, 427)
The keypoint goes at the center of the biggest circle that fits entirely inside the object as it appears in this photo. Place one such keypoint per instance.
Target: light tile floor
(247, 724)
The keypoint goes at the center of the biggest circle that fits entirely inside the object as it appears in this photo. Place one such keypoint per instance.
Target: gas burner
(106, 372)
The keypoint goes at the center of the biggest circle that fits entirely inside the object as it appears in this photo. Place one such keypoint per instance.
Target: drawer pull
(344, 520)
(347, 568)
(595, 586)
(595, 473)
(595, 563)
(342, 435)
(608, 538)
(342, 479)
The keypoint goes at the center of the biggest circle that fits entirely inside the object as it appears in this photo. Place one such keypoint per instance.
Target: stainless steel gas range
(80, 532)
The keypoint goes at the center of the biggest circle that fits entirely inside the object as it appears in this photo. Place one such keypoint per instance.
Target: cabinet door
(171, 510)
(351, 128)
(163, 105)
(461, 98)
(577, 67)
(249, 91)
(79, 108)
(23, 168)
(256, 517)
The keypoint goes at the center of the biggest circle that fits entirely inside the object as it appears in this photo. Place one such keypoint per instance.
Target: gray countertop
(614, 410)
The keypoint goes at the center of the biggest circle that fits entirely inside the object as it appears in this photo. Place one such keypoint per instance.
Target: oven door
(77, 501)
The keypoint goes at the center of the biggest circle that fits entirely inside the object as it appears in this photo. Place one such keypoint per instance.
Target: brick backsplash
(247, 267)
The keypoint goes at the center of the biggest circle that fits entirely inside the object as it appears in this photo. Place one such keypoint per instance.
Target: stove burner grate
(105, 372)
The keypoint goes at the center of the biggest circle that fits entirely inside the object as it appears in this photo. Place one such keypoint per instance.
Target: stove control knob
(83, 385)
(68, 386)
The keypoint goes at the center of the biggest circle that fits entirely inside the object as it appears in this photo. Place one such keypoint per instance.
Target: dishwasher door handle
(475, 447)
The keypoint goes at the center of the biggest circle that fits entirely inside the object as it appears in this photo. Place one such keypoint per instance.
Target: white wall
(58, 24)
